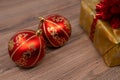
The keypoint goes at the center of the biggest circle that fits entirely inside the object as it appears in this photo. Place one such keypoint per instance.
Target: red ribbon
(108, 10)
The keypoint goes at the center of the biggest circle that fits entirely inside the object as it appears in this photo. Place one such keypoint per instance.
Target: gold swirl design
(60, 28)
(21, 45)
(20, 37)
(67, 24)
(48, 37)
(57, 19)
(54, 34)
(52, 31)
(21, 62)
(26, 55)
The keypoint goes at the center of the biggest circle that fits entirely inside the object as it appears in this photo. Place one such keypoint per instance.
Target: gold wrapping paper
(106, 39)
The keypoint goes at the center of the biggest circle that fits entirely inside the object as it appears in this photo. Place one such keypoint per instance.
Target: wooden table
(77, 60)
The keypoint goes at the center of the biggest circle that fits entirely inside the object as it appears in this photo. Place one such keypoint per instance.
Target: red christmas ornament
(27, 48)
(56, 30)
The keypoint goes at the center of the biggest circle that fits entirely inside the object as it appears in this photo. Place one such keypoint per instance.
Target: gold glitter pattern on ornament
(67, 24)
(57, 19)
(54, 34)
(32, 47)
(21, 62)
(60, 41)
(11, 45)
(52, 31)
(20, 37)
(26, 55)
(61, 19)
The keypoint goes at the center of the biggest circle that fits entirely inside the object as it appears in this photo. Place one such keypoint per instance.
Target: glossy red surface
(26, 49)
(56, 30)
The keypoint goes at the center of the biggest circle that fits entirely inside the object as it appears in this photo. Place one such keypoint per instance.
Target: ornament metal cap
(41, 19)
(39, 32)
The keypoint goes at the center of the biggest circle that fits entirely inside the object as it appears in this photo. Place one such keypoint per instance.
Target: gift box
(105, 38)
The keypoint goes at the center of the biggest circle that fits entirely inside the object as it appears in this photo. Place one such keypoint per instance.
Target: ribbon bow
(109, 10)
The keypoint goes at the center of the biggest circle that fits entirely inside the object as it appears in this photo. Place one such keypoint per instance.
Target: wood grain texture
(77, 60)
